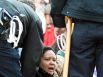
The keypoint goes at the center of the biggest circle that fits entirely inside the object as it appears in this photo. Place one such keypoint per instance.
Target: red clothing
(49, 37)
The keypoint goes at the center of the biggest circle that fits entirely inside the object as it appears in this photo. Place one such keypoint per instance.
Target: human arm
(32, 44)
(57, 16)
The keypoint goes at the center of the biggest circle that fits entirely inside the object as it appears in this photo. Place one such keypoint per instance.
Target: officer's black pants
(86, 49)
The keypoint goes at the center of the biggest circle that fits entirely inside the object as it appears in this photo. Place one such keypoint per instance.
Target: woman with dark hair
(47, 63)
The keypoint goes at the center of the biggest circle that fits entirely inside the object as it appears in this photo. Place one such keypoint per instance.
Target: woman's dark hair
(45, 49)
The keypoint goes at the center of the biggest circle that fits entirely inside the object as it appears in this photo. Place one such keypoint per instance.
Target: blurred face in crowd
(48, 62)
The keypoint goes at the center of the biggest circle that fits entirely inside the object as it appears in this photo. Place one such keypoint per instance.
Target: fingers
(59, 31)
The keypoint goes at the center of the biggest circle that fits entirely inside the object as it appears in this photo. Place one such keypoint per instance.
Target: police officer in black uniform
(87, 37)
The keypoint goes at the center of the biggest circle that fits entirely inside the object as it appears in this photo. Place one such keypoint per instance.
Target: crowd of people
(39, 28)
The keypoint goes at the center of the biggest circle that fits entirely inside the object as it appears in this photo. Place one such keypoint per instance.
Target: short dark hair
(45, 49)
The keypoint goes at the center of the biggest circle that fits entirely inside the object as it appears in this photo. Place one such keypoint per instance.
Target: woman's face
(48, 62)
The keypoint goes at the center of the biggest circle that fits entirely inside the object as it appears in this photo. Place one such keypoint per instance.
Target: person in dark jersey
(18, 28)
(87, 38)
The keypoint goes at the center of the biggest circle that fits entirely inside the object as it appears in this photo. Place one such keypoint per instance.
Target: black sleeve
(56, 9)
(32, 45)
(58, 20)
(40, 30)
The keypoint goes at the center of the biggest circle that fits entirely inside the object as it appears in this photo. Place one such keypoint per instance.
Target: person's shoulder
(22, 7)
(14, 2)
(17, 3)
